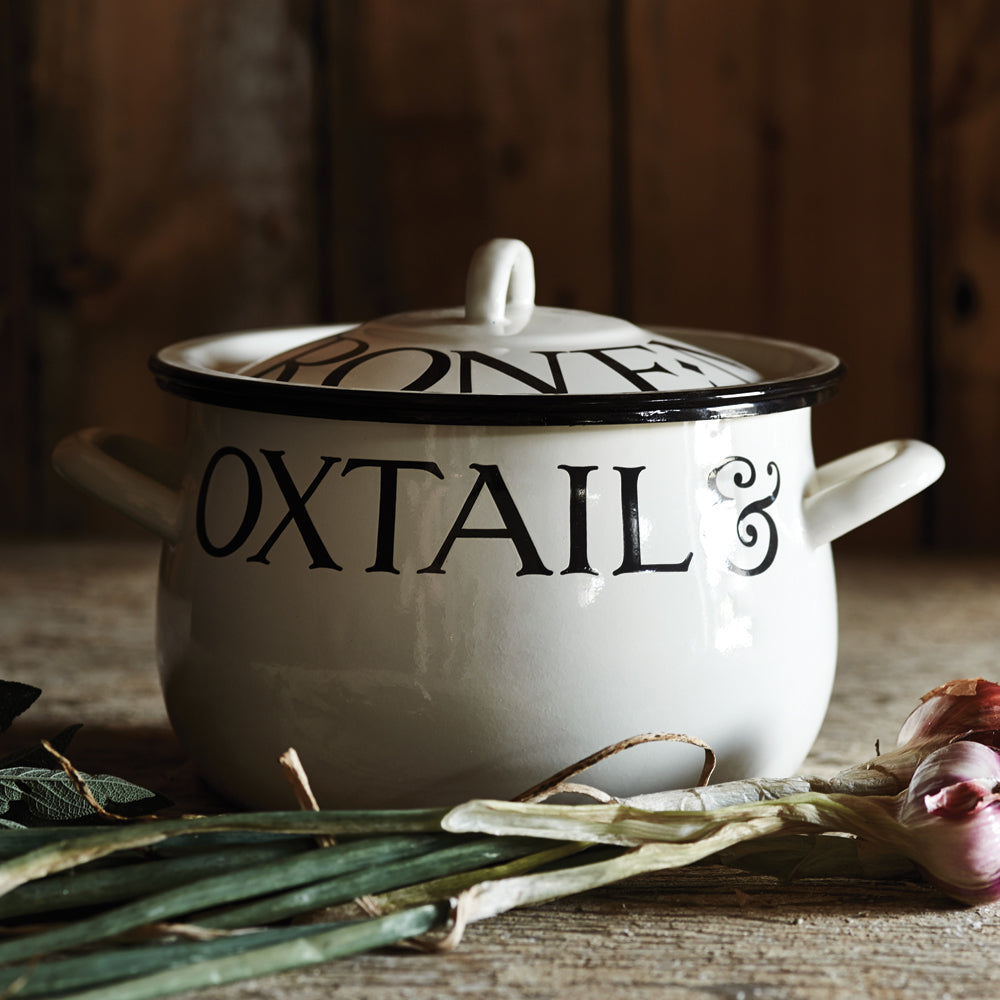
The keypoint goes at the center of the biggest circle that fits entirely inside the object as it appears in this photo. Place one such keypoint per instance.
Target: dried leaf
(15, 698)
(37, 755)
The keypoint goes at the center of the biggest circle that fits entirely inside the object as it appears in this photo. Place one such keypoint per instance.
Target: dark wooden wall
(822, 172)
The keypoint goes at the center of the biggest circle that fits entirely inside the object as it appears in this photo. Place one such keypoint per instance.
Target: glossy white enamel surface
(415, 687)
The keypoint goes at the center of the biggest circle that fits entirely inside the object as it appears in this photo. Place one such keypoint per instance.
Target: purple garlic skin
(951, 817)
(958, 710)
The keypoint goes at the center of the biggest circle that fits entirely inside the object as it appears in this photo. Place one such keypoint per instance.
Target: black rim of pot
(816, 383)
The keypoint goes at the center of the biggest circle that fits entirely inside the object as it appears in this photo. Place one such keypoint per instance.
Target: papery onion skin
(963, 709)
(967, 709)
(951, 817)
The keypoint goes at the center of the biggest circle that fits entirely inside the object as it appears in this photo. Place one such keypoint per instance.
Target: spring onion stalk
(967, 709)
(445, 887)
(15, 842)
(113, 964)
(947, 823)
(321, 863)
(628, 826)
(101, 886)
(791, 857)
(300, 952)
(657, 841)
(68, 852)
(932, 802)
(391, 875)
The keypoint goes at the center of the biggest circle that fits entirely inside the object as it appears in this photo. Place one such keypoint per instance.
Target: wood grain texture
(453, 124)
(173, 196)
(964, 134)
(18, 356)
(189, 168)
(76, 620)
(771, 180)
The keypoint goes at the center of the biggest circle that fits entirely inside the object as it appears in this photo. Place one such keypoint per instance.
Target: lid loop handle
(500, 272)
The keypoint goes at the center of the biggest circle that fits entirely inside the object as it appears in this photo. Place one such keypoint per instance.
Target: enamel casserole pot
(445, 554)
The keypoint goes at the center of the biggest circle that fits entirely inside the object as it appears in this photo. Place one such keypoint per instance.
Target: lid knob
(500, 272)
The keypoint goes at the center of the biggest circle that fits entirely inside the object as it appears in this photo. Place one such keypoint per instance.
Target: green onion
(15, 842)
(114, 964)
(308, 949)
(196, 843)
(228, 872)
(273, 876)
(92, 887)
(446, 886)
(70, 851)
(446, 861)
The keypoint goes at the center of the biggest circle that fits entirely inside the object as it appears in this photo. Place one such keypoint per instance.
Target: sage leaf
(36, 796)
(15, 698)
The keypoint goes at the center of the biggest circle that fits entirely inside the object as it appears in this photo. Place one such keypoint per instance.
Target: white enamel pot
(445, 554)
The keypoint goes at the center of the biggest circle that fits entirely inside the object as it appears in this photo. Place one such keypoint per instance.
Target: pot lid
(500, 359)
(502, 343)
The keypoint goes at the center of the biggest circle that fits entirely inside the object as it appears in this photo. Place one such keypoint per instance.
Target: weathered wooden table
(76, 621)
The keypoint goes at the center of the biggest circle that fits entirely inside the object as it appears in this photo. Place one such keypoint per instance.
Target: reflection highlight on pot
(732, 631)
(589, 591)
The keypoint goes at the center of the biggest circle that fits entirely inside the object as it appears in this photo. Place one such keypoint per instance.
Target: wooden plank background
(828, 173)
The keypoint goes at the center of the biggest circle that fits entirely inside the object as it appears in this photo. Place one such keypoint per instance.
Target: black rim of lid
(260, 395)
(802, 376)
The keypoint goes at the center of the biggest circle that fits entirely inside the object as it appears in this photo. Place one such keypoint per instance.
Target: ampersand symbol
(753, 517)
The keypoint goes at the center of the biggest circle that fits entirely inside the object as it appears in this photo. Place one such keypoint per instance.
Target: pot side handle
(846, 493)
(130, 475)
